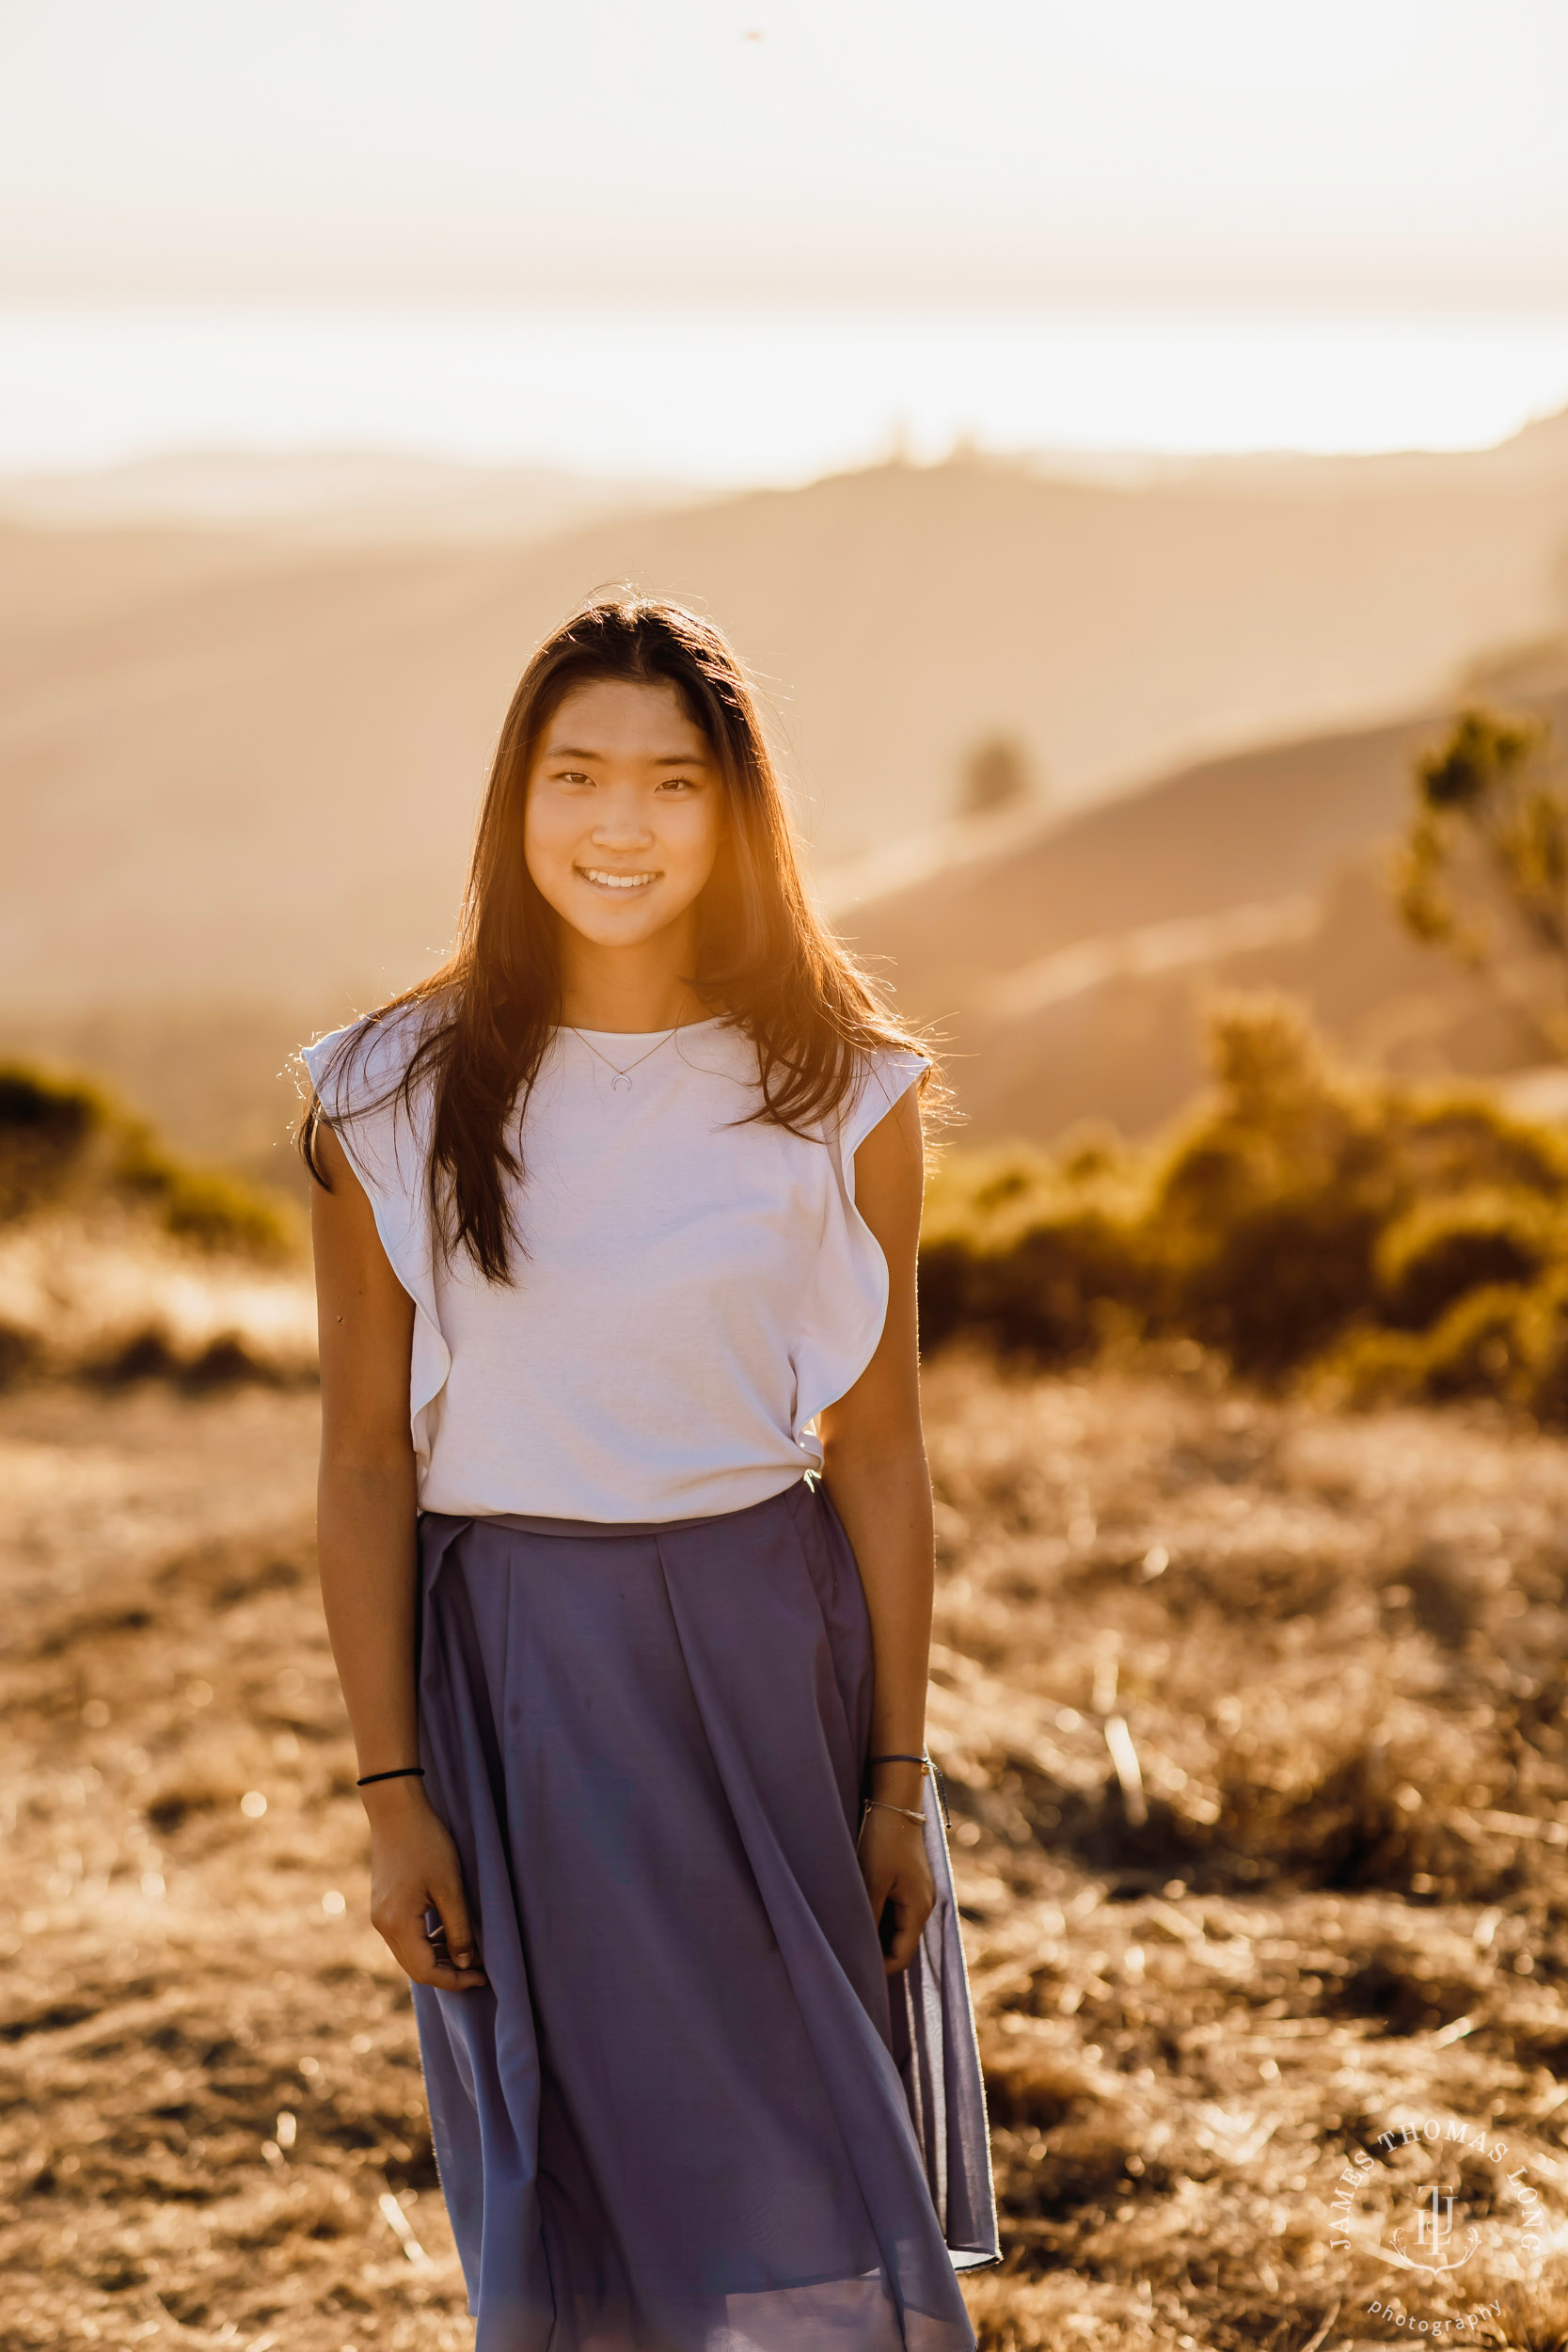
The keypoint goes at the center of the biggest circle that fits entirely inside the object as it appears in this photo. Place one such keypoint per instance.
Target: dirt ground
(1253, 1726)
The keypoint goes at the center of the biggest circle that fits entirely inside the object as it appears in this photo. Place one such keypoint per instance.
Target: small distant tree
(997, 773)
(1483, 869)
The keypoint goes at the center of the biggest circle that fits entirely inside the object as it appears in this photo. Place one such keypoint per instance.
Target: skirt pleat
(688, 2112)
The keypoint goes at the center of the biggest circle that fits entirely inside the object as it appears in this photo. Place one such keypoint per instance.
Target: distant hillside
(1068, 964)
(245, 762)
(1254, 826)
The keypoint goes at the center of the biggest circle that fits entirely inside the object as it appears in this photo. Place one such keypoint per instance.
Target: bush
(1440, 1250)
(1398, 1241)
(1035, 1254)
(61, 1138)
(1270, 1201)
(200, 1205)
(1476, 1348)
(47, 1128)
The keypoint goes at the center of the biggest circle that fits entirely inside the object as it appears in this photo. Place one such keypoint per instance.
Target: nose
(620, 823)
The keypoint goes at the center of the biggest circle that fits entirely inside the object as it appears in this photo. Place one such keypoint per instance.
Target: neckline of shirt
(685, 1029)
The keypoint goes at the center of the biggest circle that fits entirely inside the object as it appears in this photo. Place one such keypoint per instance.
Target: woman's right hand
(415, 1868)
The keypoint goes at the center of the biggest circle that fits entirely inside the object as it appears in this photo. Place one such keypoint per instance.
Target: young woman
(626, 1547)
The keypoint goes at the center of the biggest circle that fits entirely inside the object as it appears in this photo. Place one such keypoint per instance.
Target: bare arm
(366, 1507)
(874, 1466)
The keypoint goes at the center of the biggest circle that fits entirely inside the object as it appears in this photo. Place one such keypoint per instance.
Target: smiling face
(625, 813)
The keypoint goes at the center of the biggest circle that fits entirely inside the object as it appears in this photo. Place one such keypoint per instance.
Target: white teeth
(617, 882)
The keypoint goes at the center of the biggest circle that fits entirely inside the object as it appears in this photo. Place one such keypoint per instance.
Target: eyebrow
(659, 759)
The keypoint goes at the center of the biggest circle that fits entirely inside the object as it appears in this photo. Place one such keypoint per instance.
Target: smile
(602, 878)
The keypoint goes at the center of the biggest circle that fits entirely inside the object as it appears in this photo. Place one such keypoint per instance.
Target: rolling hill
(1067, 964)
(245, 761)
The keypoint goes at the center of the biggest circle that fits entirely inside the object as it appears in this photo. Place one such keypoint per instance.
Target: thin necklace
(621, 1083)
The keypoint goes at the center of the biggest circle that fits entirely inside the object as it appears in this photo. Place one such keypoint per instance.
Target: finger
(435, 1965)
(451, 1905)
(423, 1962)
(878, 1885)
(448, 1979)
(909, 1924)
(428, 1963)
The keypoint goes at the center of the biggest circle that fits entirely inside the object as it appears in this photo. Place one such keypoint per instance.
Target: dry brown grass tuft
(212, 2082)
(1257, 1768)
(111, 1299)
(1259, 1773)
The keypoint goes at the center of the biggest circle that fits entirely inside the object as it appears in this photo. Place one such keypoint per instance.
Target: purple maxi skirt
(688, 2112)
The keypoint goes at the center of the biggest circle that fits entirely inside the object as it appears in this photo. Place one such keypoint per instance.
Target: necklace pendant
(620, 1083)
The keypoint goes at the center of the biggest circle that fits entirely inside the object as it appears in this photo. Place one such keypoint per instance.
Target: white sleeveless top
(688, 1295)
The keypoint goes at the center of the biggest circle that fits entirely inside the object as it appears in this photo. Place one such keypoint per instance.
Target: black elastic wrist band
(399, 1771)
(897, 1759)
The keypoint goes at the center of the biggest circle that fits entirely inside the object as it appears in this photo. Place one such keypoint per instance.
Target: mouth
(604, 878)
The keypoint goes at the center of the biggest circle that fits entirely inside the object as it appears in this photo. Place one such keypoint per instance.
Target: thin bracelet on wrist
(883, 1805)
(399, 1771)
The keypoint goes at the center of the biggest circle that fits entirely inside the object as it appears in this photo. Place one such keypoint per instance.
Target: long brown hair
(764, 953)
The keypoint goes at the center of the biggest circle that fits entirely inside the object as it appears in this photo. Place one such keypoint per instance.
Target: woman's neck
(634, 989)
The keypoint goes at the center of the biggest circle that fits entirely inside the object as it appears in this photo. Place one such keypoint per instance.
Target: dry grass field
(1252, 1718)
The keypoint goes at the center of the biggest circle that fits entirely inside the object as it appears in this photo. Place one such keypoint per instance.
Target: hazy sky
(1314, 151)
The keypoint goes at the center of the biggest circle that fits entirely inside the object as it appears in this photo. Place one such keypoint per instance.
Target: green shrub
(61, 1138)
(1474, 1349)
(1480, 1345)
(1441, 1249)
(48, 1126)
(1034, 1253)
(1394, 1240)
(1268, 1199)
(1543, 1328)
(200, 1205)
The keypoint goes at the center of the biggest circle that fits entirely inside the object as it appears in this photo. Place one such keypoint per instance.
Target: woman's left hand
(892, 1861)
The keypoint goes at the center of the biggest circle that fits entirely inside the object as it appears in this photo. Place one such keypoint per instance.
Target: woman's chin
(616, 927)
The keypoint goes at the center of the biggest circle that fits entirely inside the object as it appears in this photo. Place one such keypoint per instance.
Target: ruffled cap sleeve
(357, 1073)
(846, 1305)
